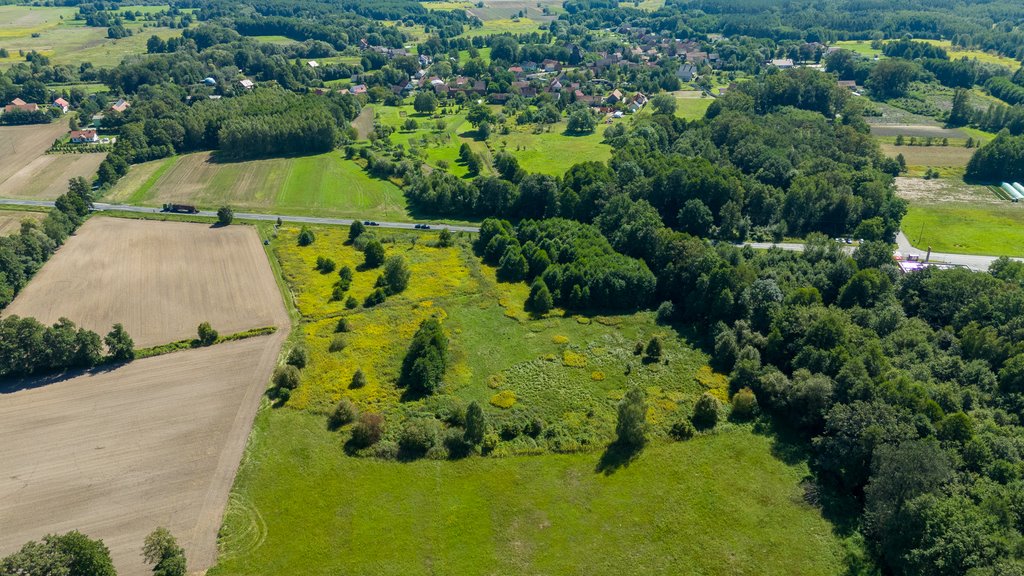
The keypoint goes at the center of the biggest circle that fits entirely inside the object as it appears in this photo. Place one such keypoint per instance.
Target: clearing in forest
(159, 279)
(531, 511)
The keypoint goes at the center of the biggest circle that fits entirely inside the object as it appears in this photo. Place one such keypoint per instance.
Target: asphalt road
(100, 206)
(975, 262)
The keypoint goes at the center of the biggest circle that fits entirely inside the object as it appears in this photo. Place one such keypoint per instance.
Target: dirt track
(116, 454)
(159, 279)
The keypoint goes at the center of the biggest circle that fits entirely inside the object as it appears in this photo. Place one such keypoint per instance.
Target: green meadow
(325, 184)
(713, 505)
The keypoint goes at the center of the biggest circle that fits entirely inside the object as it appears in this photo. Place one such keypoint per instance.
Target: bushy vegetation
(70, 554)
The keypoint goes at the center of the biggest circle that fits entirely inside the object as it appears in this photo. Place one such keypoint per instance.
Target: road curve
(976, 262)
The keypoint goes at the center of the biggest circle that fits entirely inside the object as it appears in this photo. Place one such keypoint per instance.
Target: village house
(782, 63)
(120, 106)
(246, 83)
(87, 136)
(686, 72)
(615, 97)
(62, 105)
(21, 106)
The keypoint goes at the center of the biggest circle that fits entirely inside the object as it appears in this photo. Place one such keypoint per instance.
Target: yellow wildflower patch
(559, 339)
(504, 399)
(597, 376)
(574, 359)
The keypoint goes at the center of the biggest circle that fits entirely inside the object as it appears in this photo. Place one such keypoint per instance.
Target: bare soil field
(942, 190)
(159, 279)
(10, 220)
(46, 177)
(954, 156)
(20, 145)
(916, 130)
(117, 453)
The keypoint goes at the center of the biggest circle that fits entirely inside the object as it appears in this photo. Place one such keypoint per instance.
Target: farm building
(686, 72)
(87, 136)
(246, 83)
(782, 63)
(21, 106)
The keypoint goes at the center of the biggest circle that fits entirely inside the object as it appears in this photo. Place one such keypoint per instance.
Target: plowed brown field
(159, 279)
(115, 454)
(28, 172)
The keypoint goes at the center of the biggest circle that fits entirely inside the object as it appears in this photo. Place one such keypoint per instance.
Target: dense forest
(264, 122)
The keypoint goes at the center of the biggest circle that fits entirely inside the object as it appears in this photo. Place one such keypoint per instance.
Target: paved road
(100, 206)
(975, 262)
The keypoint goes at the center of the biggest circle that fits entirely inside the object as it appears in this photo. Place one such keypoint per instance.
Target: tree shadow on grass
(617, 455)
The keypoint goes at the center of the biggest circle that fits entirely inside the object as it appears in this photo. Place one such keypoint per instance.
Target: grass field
(949, 159)
(68, 41)
(324, 184)
(862, 47)
(118, 452)
(143, 267)
(10, 220)
(552, 152)
(956, 52)
(714, 505)
(995, 229)
(690, 105)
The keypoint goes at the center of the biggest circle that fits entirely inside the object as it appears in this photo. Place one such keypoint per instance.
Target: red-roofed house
(20, 105)
(120, 106)
(87, 136)
(62, 105)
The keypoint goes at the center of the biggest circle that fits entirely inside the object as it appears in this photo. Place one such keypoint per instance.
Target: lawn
(862, 47)
(691, 106)
(325, 185)
(552, 152)
(995, 229)
(714, 505)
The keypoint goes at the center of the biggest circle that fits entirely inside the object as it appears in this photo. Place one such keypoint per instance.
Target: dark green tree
(120, 346)
(163, 552)
(225, 215)
(476, 424)
(631, 425)
(207, 335)
(539, 301)
(373, 254)
(355, 230)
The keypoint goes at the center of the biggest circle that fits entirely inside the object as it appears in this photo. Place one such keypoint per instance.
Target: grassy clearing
(957, 52)
(300, 506)
(692, 106)
(996, 229)
(504, 26)
(920, 158)
(548, 364)
(325, 183)
(862, 47)
(552, 152)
